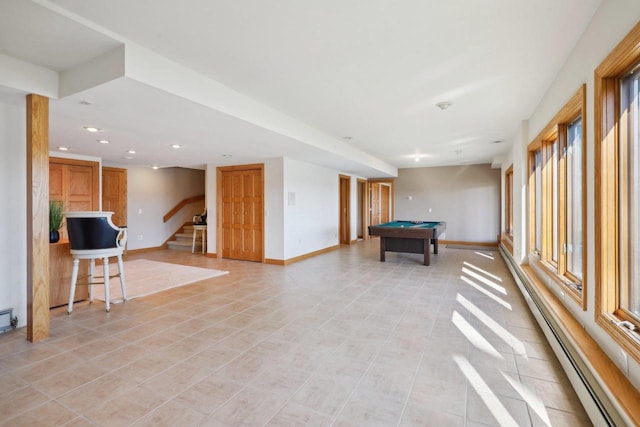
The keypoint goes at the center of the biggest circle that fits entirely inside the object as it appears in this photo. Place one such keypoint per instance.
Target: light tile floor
(339, 339)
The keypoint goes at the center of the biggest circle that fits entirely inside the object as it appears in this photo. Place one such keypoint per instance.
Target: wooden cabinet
(76, 182)
(60, 265)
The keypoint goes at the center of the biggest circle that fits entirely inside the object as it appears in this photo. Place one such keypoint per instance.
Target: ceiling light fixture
(128, 158)
(347, 138)
(497, 141)
(92, 129)
(131, 151)
(176, 146)
(63, 148)
(85, 102)
(226, 156)
(155, 167)
(103, 141)
(417, 159)
(443, 105)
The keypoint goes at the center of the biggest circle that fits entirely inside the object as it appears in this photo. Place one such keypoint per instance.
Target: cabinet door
(114, 194)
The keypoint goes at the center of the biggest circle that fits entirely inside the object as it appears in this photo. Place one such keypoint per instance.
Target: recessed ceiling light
(91, 129)
(63, 148)
(176, 146)
(103, 141)
(128, 158)
(131, 151)
(443, 105)
(226, 156)
(347, 138)
(155, 167)
(85, 102)
(497, 141)
(417, 159)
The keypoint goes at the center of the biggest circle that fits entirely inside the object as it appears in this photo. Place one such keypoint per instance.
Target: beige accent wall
(466, 197)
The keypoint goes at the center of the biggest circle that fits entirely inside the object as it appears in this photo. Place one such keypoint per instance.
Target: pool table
(409, 236)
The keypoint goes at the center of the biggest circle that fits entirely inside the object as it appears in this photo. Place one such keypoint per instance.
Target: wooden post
(37, 217)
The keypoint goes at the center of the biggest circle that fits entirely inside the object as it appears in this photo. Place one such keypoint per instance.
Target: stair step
(184, 240)
(185, 236)
(183, 245)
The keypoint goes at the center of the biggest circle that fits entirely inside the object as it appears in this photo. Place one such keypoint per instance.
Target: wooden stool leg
(121, 275)
(106, 284)
(74, 279)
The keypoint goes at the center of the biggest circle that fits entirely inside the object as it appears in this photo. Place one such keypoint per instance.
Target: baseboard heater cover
(601, 408)
(7, 320)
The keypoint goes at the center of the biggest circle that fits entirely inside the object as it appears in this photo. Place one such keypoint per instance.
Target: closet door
(241, 228)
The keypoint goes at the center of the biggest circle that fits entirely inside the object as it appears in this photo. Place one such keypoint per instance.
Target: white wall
(610, 24)
(466, 197)
(274, 209)
(311, 222)
(153, 193)
(307, 225)
(13, 193)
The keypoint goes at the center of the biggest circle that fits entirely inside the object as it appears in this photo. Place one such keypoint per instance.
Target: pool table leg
(382, 248)
(435, 246)
(427, 251)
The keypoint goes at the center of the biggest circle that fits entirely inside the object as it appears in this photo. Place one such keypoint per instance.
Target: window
(508, 209)
(617, 162)
(537, 156)
(557, 201)
(508, 206)
(574, 190)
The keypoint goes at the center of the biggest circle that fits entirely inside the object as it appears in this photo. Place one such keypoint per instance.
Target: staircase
(184, 239)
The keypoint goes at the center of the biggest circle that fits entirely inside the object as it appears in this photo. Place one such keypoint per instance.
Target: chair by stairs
(183, 240)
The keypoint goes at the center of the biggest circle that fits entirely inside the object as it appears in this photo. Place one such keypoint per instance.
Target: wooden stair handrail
(180, 205)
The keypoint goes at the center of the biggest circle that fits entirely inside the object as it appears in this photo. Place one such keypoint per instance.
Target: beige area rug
(145, 277)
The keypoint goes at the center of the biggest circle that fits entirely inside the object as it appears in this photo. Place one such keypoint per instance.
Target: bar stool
(203, 230)
(92, 235)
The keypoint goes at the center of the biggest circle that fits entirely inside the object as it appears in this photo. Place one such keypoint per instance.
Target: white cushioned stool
(92, 235)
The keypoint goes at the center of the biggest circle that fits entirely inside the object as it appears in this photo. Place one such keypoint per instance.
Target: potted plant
(56, 214)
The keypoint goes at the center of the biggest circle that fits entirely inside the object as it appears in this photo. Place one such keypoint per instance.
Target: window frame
(551, 143)
(607, 185)
(507, 237)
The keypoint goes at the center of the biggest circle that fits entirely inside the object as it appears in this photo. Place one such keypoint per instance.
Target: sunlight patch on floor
(474, 337)
(499, 330)
(481, 279)
(530, 397)
(497, 409)
(486, 292)
(484, 255)
(485, 272)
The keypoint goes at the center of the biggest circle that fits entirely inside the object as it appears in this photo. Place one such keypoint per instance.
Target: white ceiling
(362, 77)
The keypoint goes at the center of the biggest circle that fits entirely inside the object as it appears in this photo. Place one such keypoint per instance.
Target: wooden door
(345, 194)
(384, 203)
(114, 194)
(241, 192)
(374, 205)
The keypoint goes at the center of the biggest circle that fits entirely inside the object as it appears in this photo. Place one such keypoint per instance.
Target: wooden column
(37, 217)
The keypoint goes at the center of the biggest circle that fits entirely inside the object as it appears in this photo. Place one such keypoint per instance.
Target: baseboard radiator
(597, 401)
(7, 320)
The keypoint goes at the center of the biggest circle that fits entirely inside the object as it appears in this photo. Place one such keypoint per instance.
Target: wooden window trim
(508, 195)
(607, 115)
(556, 131)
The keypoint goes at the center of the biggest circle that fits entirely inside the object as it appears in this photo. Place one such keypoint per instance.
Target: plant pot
(54, 236)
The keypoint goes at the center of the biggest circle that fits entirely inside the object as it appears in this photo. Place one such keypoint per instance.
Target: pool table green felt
(409, 236)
